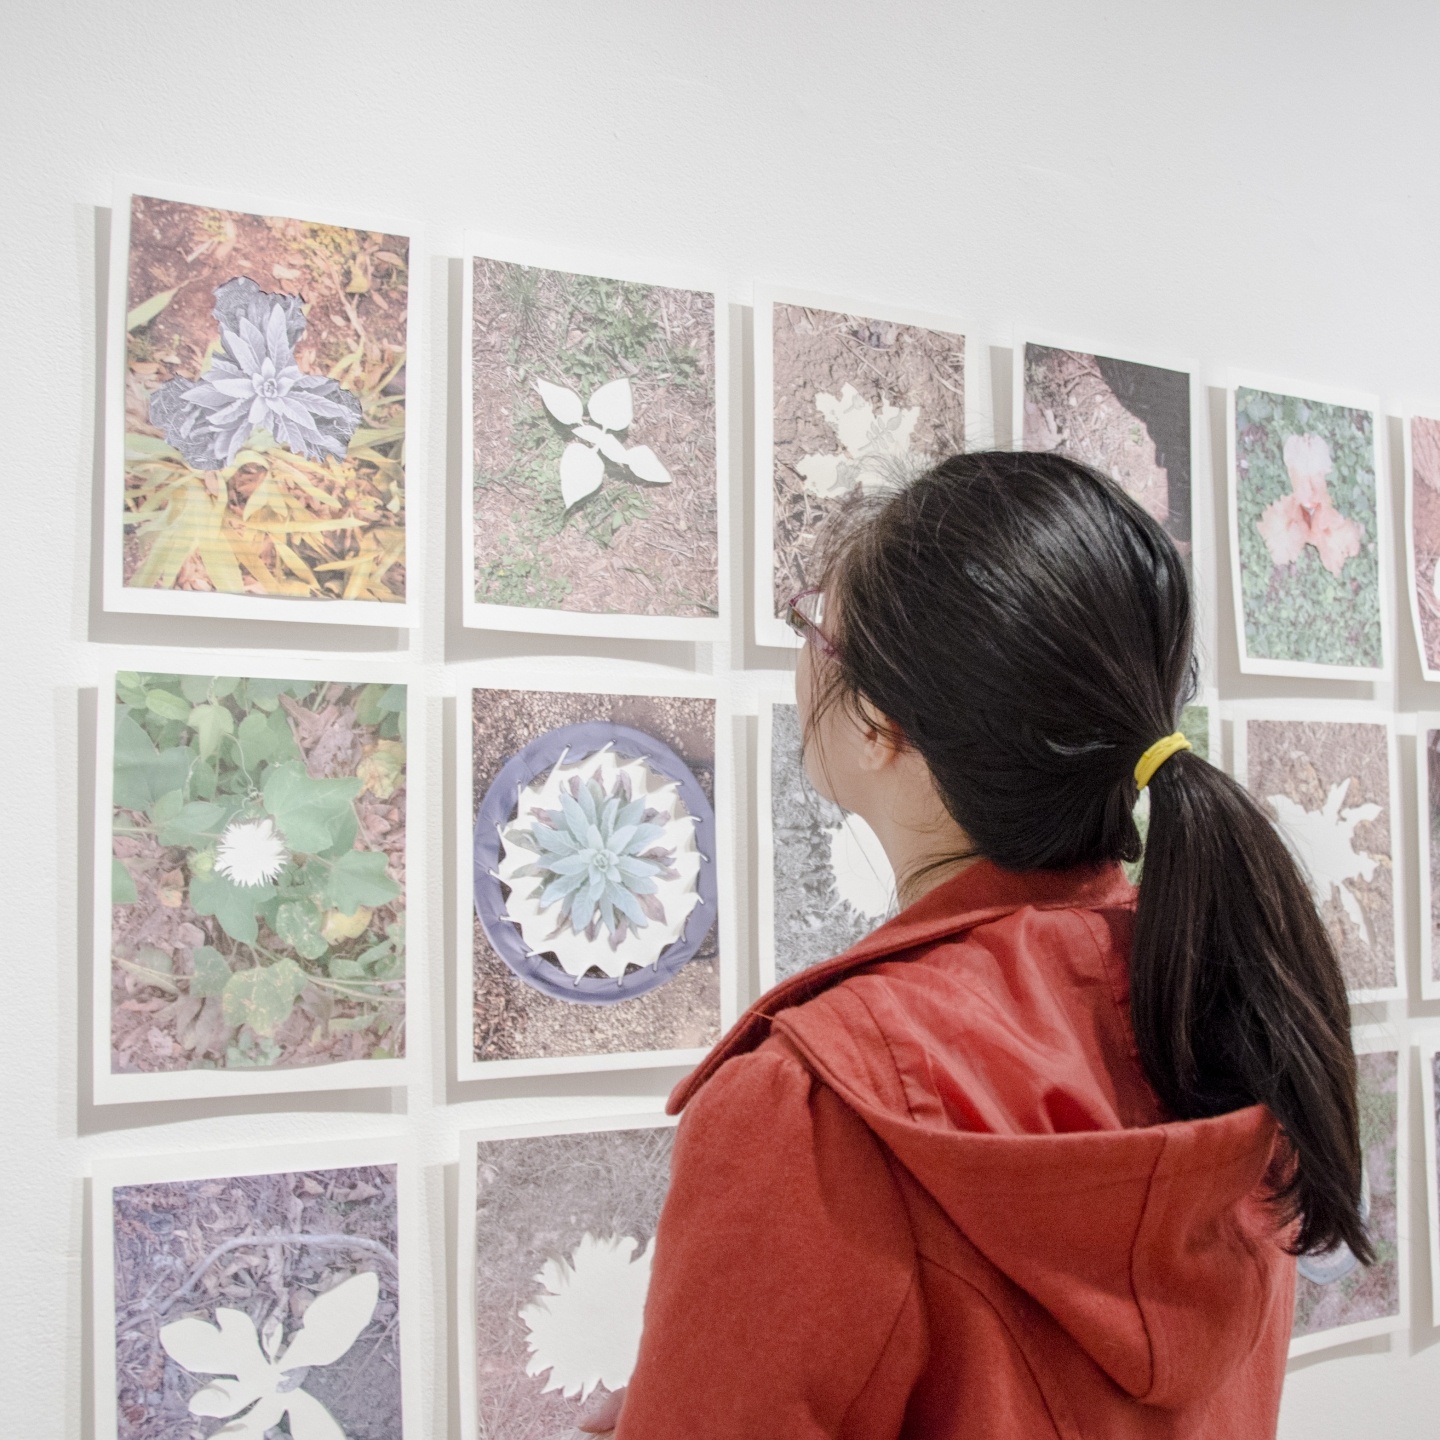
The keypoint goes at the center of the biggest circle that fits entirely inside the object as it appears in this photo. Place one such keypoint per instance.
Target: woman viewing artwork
(1038, 1155)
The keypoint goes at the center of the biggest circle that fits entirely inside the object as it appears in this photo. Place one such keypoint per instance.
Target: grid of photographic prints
(257, 432)
(251, 924)
(591, 876)
(592, 454)
(1336, 1298)
(1330, 786)
(849, 399)
(557, 1237)
(258, 817)
(254, 1293)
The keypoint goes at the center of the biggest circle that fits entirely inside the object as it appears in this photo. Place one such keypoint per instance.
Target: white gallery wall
(1251, 184)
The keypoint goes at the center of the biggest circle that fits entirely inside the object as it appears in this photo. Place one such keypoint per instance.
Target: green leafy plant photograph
(265, 401)
(258, 873)
(1306, 515)
(594, 444)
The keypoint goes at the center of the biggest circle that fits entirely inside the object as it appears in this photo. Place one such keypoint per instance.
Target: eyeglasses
(803, 614)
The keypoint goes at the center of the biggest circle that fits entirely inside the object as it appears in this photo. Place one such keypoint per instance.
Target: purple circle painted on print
(498, 809)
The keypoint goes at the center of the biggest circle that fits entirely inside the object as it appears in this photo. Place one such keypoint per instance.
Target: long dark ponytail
(1027, 627)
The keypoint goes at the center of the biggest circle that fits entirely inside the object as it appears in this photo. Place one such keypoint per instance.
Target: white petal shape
(581, 471)
(586, 1331)
(253, 1424)
(333, 1322)
(229, 1347)
(611, 448)
(612, 405)
(821, 474)
(223, 1397)
(590, 434)
(310, 1420)
(645, 465)
(564, 404)
(1323, 841)
(861, 868)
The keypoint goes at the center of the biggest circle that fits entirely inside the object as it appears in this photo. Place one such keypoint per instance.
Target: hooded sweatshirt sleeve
(784, 1295)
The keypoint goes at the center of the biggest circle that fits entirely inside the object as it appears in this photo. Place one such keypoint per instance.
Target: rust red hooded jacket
(924, 1190)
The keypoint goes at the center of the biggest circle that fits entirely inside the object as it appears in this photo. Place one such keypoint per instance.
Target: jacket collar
(980, 893)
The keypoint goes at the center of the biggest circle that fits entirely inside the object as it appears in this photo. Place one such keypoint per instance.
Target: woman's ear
(881, 744)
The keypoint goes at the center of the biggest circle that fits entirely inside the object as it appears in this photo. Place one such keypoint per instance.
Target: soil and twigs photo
(564, 1229)
(1332, 1289)
(833, 884)
(259, 1305)
(858, 404)
(1306, 507)
(1425, 532)
(1129, 421)
(1326, 785)
(594, 444)
(514, 1019)
(264, 405)
(258, 873)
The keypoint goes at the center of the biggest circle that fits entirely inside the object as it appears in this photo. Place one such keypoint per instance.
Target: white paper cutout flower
(265, 1379)
(664, 886)
(1324, 843)
(251, 852)
(864, 437)
(585, 1328)
(611, 409)
(862, 872)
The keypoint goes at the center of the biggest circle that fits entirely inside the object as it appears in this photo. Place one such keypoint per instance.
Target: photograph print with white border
(592, 851)
(254, 1293)
(1336, 1298)
(1129, 420)
(251, 873)
(1308, 533)
(825, 882)
(1422, 538)
(849, 397)
(1428, 1047)
(1329, 786)
(1427, 774)
(593, 451)
(260, 382)
(557, 1237)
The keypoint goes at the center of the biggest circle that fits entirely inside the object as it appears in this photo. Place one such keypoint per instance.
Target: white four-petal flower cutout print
(252, 1371)
(251, 852)
(585, 1327)
(1324, 843)
(865, 439)
(861, 868)
(611, 409)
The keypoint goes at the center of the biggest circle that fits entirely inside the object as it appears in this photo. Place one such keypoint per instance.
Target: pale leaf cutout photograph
(1326, 786)
(564, 1231)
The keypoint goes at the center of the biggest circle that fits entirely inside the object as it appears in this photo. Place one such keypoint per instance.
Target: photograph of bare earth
(594, 444)
(1129, 421)
(564, 1230)
(258, 1305)
(258, 873)
(1425, 533)
(857, 403)
(1326, 786)
(832, 882)
(1332, 1289)
(264, 405)
(515, 1020)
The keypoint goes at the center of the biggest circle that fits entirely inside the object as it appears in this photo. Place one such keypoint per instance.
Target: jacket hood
(1149, 1243)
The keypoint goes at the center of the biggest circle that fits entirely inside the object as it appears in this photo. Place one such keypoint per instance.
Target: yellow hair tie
(1156, 756)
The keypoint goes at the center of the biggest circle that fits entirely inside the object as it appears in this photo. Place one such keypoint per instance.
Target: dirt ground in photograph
(1304, 759)
(514, 1020)
(1425, 482)
(155, 1027)
(812, 922)
(630, 548)
(537, 1198)
(1374, 1292)
(819, 350)
(355, 287)
(165, 1232)
(1071, 407)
